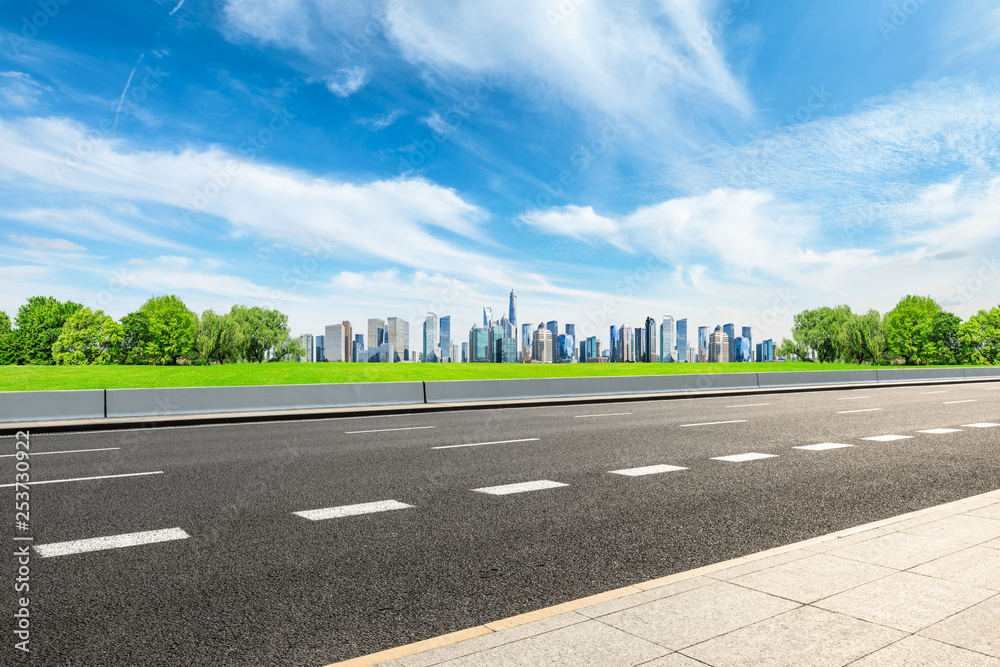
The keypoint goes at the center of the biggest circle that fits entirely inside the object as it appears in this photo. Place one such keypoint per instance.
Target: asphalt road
(255, 584)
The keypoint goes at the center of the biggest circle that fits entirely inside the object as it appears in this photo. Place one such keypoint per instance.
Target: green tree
(290, 346)
(217, 337)
(88, 337)
(137, 341)
(980, 335)
(945, 343)
(7, 340)
(259, 333)
(818, 331)
(863, 337)
(39, 324)
(908, 328)
(787, 349)
(172, 328)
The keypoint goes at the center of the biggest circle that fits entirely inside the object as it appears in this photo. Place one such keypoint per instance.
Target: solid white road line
(480, 444)
(507, 489)
(68, 451)
(610, 414)
(110, 542)
(852, 398)
(888, 438)
(938, 431)
(980, 425)
(968, 400)
(732, 421)
(739, 458)
(822, 446)
(647, 470)
(847, 412)
(83, 479)
(383, 430)
(352, 510)
(748, 405)
(933, 392)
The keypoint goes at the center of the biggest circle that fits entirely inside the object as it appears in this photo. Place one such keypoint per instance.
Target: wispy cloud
(59, 245)
(346, 81)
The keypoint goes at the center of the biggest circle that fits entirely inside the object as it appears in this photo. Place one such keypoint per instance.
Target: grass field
(37, 378)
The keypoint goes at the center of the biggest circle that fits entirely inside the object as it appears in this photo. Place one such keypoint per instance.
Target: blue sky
(721, 160)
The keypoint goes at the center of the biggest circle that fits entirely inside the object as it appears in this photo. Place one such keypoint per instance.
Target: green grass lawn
(37, 378)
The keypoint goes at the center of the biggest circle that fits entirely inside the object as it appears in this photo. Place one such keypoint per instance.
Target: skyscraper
(340, 340)
(527, 335)
(321, 348)
(730, 330)
(541, 346)
(553, 327)
(445, 334)
(702, 344)
(430, 338)
(376, 331)
(626, 344)
(465, 352)
(478, 345)
(487, 317)
(650, 352)
(397, 333)
(667, 339)
(306, 341)
(749, 338)
(615, 351)
(512, 314)
(493, 335)
(571, 331)
(358, 346)
(567, 347)
(718, 346)
(682, 340)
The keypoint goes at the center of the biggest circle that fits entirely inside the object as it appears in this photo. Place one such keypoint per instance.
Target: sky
(720, 160)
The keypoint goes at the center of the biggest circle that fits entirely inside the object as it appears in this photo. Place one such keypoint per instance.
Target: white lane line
(739, 458)
(852, 398)
(110, 542)
(748, 405)
(480, 444)
(847, 412)
(647, 470)
(822, 446)
(888, 438)
(980, 425)
(520, 488)
(383, 430)
(610, 414)
(84, 479)
(933, 392)
(732, 421)
(968, 400)
(352, 510)
(938, 431)
(67, 451)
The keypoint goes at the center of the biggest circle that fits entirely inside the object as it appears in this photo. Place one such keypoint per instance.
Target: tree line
(162, 332)
(916, 332)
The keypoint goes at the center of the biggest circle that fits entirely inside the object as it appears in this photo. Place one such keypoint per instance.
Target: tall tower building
(702, 344)
(541, 346)
(730, 330)
(749, 338)
(339, 340)
(445, 335)
(376, 331)
(527, 335)
(321, 347)
(651, 349)
(718, 346)
(571, 331)
(667, 339)
(430, 338)
(682, 340)
(615, 352)
(397, 334)
(306, 341)
(487, 317)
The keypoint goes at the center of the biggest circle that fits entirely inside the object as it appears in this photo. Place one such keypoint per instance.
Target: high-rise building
(682, 340)
(386, 353)
(306, 341)
(730, 330)
(566, 348)
(358, 346)
(376, 331)
(407, 352)
(527, 335)
(626, 344)
(397, 333)
(553, 327)
(320, 348)
(702, 344)
(667, 339)
(718, 346)
(749, 338)
(505, 350)
(759, 352)
(339, 340)
(430, 338)
(768, 350)
(465, 352)
(583, 352)
(593, 348)
(741, 349)
(615, 350)
(571, 331)
(478, 345)
(541, 345)
(487, 317)
(445, 333)
(512, 315)
(493, 335)
(651, 352)
(638, 337)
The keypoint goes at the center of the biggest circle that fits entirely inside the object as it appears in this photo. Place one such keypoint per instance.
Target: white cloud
(579, 222)
(19, 90)
(382, 121)
(346, 81)
(58, 245)
(283, 23)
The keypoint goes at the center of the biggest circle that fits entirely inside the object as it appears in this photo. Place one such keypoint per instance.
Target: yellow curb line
(573, 605)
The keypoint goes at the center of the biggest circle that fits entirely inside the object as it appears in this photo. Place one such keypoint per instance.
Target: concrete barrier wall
(982, 372)
(915, 374)
(200, 400)
(17, 406)
(806, 378)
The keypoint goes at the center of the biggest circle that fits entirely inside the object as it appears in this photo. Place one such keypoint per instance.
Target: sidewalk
(917, 589)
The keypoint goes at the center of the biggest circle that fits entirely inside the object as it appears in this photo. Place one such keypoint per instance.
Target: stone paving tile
(917, 651)
(637, 599)
(864, 536)
(813, 578)
(673, 660)
(976, 628)
(694, 616)
(960, 528)
(988, 512)
(900, 551)
(587, 644)
(494, 639)
(803, 636)
(906, 601)
(760, 564)
(975, 566)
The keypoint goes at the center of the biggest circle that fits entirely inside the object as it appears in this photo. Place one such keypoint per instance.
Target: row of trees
(162, 331)
(916, 332)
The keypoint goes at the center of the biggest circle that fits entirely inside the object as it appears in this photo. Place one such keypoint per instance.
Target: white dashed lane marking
(888, 438)
(847, 412)
(732, 421)
(480, 444)
(939, 431)
(67, 451)
(740, 458)
(352, 510)
(110, 542)
(980, 425)
(84, 479)
(508, 489)
(610, 414)
(647, 470)
(748, 405)
(933, 392)
(968, 400)
(852, 398)
(383, 430)
(822, 446)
